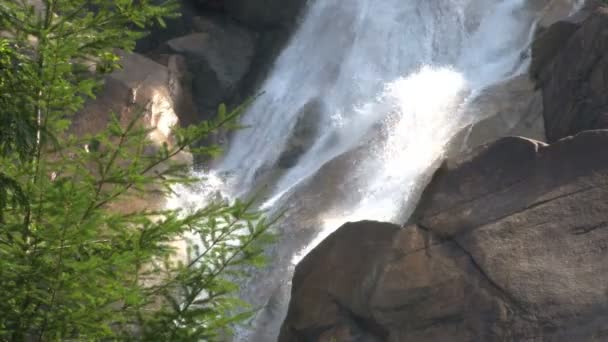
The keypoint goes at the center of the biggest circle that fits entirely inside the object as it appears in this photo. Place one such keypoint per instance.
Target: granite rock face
(572, 71)
(145, 85)
(218, 56)
(140, 83)
(549, 43)
(508, 244)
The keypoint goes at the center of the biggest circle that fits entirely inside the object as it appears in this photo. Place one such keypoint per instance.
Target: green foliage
(72, 265)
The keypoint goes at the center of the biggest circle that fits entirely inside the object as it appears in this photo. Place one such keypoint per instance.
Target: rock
(139, 81)
(177, 66)
(533, 217)
(513, 107)
(303, 134)
(372, 281)
(264, 14)
(333, 284)
(174, 27)
(574, 85)
(508, 244)
(218, 58)
(548, 44)
(229, 46)
(142, 83)
(559, 19)
(508, 174)
(552, 11)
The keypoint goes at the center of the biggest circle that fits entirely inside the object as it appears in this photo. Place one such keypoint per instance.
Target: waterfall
(355, 115)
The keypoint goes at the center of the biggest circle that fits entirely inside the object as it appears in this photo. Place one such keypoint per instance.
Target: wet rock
(548, 44)
(559, 19)
(218, 57)
(510, 108)
(574, 85)
(508, 244)
(303, 134)
(552, 11)
(324, 306)
(307, 218)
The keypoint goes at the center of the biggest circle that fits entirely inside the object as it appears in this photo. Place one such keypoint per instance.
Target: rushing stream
(355, 115)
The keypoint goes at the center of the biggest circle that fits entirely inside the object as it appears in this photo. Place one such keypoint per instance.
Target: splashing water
(387, 83)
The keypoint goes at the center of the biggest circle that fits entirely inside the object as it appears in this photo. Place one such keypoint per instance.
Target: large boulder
(533, 217)
(333, 284)
(273, 22)
(508, 244)
(559, 19)
(141, 84)
(218, 56)
(573, 76)
(548, 44)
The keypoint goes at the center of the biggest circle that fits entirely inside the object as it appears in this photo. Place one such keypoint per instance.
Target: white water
(393, 80)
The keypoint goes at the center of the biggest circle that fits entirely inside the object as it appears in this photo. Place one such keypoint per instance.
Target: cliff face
(573, 80)
(508, 243)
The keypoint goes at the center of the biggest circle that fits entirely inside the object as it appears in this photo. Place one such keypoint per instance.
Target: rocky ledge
(508, 245)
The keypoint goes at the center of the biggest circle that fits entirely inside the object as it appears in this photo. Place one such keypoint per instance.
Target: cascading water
(384, 85)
